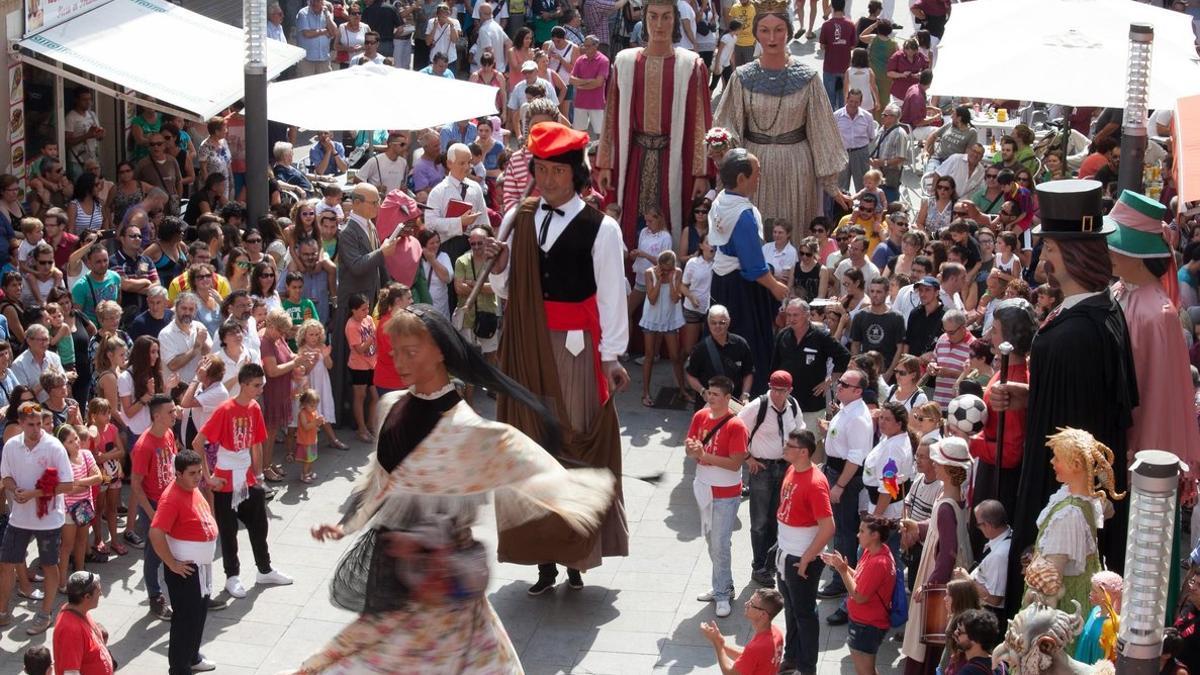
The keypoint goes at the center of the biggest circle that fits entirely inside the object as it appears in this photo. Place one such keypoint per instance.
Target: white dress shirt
(439, 200)
(992, 570)
(174, 341)
(851, 433)
(607, 266)
(856, 131)
(767, 442)
(492, 35)
(966, 181)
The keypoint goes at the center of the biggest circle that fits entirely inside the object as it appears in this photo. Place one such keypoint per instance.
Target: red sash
(585, 316)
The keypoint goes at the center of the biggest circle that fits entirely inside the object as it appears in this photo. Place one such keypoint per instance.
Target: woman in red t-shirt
(395, 298)
(869, 587)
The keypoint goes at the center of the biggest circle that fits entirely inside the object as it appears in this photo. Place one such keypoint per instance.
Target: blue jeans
(833, 89)
(724, 515)
(151, 565)
(845, 519)
(800, 610)
(764, 502)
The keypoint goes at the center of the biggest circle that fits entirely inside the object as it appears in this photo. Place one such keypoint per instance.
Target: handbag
(82, 512)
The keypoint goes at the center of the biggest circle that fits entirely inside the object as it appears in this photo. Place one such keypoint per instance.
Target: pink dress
(277, 395)
(1161, 421)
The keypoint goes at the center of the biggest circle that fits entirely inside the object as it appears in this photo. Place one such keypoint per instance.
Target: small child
(1007, 263)
(37, 660)
(871, 182)
(61, 339)
(613, 211)
(202, 397)
(662, 317)
(311, 338)
(306, 434)
(332, 201)
(32, 230)
(360, 336)
(108, 449)
(81, 510)
(477, 168)
(1099, 638)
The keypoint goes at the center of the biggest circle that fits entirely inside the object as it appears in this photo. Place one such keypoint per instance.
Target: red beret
(549, 140)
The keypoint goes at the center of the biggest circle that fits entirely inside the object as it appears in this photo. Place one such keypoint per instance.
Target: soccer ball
(967, 413)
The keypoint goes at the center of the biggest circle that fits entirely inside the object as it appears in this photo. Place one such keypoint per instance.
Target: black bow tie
(551, 211)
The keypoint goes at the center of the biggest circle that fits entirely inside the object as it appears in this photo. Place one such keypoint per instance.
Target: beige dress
(783, 118)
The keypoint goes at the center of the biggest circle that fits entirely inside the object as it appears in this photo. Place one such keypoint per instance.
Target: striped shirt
(949, 357)
(516, 177)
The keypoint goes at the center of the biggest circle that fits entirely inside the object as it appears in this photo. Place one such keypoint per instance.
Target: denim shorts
(864, 638)
(15, 545)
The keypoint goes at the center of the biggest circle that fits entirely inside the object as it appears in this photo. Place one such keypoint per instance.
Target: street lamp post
(1133, 126)
(255, 22)
(1153, 485)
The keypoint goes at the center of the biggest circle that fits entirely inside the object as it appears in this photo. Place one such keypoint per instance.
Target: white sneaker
(233, 586)
(705, 597)
(723, 609)
(203, 666)
(274, 578)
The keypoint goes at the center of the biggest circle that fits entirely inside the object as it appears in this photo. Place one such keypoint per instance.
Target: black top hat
(1071, 209)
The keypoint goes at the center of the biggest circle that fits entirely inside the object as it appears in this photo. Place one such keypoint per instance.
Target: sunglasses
(45, 263)
(243, 265)
(943, 187)
(843, 383)
(256, 240)
(267, 275)
(990, 176)
(700, 211)
(806, 254)
(308, 213)
(370, 42)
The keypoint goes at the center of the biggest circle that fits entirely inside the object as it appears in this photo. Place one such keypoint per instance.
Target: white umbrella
(1070, 52)
(376, 97)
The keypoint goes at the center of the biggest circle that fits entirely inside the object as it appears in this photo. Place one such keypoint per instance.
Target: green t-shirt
(465, 271)
(299, 312)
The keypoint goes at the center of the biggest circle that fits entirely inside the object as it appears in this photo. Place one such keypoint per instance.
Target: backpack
(898, 611)
(763, 406)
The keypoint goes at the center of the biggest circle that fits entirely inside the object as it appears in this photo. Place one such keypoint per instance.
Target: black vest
(567, 269)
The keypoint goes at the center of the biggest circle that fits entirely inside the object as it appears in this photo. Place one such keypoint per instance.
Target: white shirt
(209, 399)
(686, 15)
(80, 123)
(439, 293)
(516, 97)
(491, 35)
(173, 341)
(608, 267)
(697, 276)
(868, 269)
(767, 442)
(782, 261)
(359, 59)
(497, 13)
(28, 370)
(899, 449)
(25, 466)
(956, 167)
(233, 366)
(441, 38)
(906, 301)
(992, 570)
(141, 420)
(951, 301)
(384, 173)
(439, 199)
(566, 54)
(851, 433)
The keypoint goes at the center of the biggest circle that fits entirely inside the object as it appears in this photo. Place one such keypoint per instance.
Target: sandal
(647, 401)
(364, 436)
(308, 477)
(337, 443)
(272, 475)
(119, 548)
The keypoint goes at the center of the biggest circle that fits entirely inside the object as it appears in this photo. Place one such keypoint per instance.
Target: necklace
(449, 387)
(771, 76)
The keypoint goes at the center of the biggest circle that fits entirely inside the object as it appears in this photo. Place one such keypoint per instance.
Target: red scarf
(48, 484)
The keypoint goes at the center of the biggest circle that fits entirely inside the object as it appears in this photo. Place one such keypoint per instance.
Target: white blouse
(1067, 532)
(899, 449)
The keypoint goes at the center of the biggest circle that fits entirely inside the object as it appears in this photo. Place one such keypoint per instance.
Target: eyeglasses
(45, 263)
(718, 323)
(848, 385)
(754, 606)
(700, 211)
(254, 240)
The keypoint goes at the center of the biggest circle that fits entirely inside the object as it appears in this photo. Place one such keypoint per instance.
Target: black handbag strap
(716, 427)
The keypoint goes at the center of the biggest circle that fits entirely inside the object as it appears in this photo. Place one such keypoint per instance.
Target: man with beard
(1081, 371)
(564, 326)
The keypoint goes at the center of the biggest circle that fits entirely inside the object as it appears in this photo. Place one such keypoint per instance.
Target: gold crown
(771, 7)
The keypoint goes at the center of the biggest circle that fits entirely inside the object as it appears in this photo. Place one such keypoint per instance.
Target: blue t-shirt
(87, 292)
(1186, 278)
(317, 154)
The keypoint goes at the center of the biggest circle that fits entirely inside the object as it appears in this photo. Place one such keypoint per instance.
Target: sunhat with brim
(1139, 223)
(951, 451)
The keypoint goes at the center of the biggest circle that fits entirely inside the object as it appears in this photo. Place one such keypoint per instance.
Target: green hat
(1139, 222)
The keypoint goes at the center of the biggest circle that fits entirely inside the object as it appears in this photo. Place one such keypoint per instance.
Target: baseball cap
(781, 378)
(931, 282)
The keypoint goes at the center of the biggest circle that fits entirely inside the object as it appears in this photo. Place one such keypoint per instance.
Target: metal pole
(1006, 350)
(1153, 487)
(1133, 126)
(257, 157)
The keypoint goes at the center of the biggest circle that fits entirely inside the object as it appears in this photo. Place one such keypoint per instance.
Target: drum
(933, 599)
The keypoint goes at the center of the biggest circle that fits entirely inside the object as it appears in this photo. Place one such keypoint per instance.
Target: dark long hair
(14, 402)
(256, 278)
(140, 368)
(464, 361)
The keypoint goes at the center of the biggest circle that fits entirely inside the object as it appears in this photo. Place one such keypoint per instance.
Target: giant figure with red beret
(561, 270)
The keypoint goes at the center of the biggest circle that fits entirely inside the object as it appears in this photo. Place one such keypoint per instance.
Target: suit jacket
(360, 269)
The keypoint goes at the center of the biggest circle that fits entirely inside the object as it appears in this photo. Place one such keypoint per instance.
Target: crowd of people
(826, 286)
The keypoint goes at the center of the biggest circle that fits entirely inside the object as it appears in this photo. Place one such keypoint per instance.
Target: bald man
(360, 270)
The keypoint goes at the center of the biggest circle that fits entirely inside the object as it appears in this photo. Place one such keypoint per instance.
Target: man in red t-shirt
(79, 642)
(838, 37)
(763, 653)
(717, 441)
(805, 527)
(184, 535)
(153, 469)
(238, 429)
